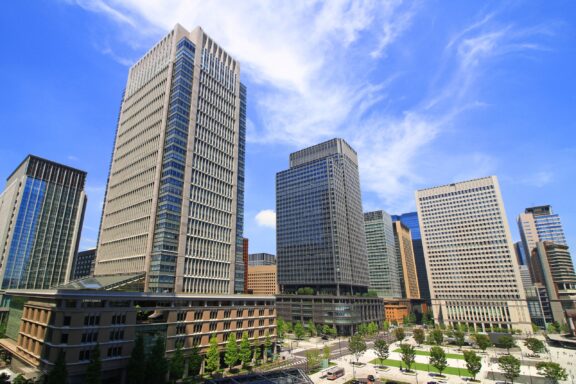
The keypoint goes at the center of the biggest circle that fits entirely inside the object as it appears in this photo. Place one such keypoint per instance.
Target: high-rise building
(41, 213)
(174, 200)
(320, 236)
(405, 257)
(553, 276)
(472, 268)
(539, 224)
(520, 253)
(383, 267)
(245, 255)
(261, 259)
(410, 220)
(83, 264)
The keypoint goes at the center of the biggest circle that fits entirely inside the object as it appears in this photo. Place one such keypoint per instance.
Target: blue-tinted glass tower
(41, 213)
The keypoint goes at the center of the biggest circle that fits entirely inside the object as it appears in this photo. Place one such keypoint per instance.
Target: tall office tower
(410, 220)
(174, 201)
(539, 224)
(554, 278)
(405, 257)
(261, 259)
(472, 269)
(245, 256)
(384, 269)
(41, 214)
(320, 229)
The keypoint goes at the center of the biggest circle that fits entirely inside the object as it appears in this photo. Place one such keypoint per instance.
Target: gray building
(385, 271)
(41, 213)
(255, 259)
(539, 223)
(174, 201)
(320, 228)
(83, 264)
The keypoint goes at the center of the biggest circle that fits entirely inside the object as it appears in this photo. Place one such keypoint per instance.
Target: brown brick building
(42, 323)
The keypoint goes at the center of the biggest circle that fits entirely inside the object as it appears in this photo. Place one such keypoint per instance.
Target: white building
(174, 201)
(472, 268)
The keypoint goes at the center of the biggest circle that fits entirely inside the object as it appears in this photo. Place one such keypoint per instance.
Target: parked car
(371, 378)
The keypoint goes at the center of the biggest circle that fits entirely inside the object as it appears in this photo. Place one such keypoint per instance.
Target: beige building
(405, 257)
(42, 323)
(174, 199)
(472, 269)
(262, 280)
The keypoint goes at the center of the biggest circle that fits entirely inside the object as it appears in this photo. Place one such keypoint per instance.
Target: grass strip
(423, 367)
(426, 353)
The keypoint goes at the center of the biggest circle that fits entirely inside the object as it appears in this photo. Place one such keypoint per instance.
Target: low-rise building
(41, 323)
(345, 313)
(262, 280)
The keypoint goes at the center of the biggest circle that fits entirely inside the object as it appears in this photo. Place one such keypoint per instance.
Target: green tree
(535, 328)
(289, 327)
(333, 331)
(280, 328)
(385, 325)
(362, 330)
(94, 367)
(311, 328)
(299, 331)
(372, 329)
(436, 337)
(177, 365)
(156, 363)
(136, 371)
(58, 374)
(267, 346)
(382, 350)
(326, 329)
(195, 361)
(399, 334)
(459, 338)
(535, 345)
(438, 358)
(305, 291)
(326, 353)
(245, 352)
(213, 356)
(313, 359)
(564, 327)
(357, 346)
(482, 341)
(17, 380)
(5, 378)
(552, 371)
(510, 366)
(473, 363)
(506, 341)
(427, 319)
(231, 353)
(418, 334)
(408, 355)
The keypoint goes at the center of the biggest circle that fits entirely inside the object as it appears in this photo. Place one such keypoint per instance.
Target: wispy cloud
(313, 63)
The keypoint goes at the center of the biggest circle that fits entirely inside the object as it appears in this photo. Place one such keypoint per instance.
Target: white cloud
(312, 60)
(266, 218)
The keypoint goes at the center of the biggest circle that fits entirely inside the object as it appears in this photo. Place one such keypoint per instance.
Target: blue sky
(427, 92)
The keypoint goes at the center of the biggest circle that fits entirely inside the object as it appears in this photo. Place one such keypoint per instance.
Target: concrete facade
(262, 280)
(472, 267)
(174, 200)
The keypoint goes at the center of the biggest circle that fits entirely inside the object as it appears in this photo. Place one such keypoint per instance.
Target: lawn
(426, 353)
(423, 367)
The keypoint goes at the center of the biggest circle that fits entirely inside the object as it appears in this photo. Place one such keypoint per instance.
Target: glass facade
(320, 230)
(168, 215)
(239, 270)
(384, 268)
(47, 215)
